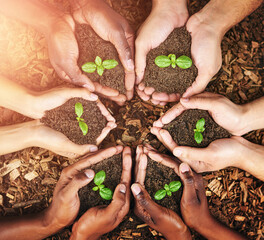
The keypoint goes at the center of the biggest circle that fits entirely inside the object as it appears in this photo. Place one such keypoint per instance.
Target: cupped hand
(163, 19)
(112, 27)
(102, 219)
(64, 52)
(224, 112)
(65, 204)
(161, 219)
(206, 53)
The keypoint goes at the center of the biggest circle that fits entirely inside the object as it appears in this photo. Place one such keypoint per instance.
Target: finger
(197, 158)
(155, 102)
(189, 190)
(120, 99)
(106, 91)
(141, 170)
(68, 93)
(142, 95)
(129, 84)
(156, 131)
(121, 41)
(105, 112)
(141, 86)
(140, 59)
(149, 90)
(165, 160)
(105, 132)
(118, 203)
(127, 165)
(164, 97)
(198, 102)
(77, 182)
(74, 75)
(167, 140)
(139, 152)
(198, 85)
(143, 199)
(174, 112)
(91, 159)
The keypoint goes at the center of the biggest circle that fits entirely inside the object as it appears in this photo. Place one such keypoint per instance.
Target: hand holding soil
(160, 218)
(112, 27)
(102, 219)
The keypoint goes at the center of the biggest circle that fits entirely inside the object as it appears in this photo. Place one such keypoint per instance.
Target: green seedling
(79, 112)
(183, 61)
(104, 192)
(198, 136)
(99, 65)
(174, 186)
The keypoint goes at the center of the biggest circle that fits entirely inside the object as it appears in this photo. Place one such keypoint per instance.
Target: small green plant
(79, 112)
(99, 65)
(198, 136)
(183, 61)
(104, 192)
(174, 186)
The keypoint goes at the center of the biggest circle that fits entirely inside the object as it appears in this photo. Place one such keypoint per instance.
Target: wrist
(80, 233)
(183, 234)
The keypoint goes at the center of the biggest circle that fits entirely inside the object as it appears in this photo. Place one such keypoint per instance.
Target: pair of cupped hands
(102, 219)
(164, 18)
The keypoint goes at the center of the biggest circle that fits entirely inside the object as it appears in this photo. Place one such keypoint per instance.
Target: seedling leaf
(101, 186)
(200, 125)
(198, 137)
(78, 109)
(175, 186)
(99, 178)
(89, 67)
(162, 61)
(184, 62)
(173, 58)
(166, 187)
(98, 61)
(100, 70)
(160, 194)
(173, 65)
(95, 188)
(106, 193)
(109, 64)
(83, 126)
(169, 193)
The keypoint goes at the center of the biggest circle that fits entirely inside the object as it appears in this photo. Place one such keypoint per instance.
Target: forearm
(211, 229)
(26, 228)
(32, 12)
(254, 115)
(221, 15)
(17, 137)
(17, 98)
(77, 234)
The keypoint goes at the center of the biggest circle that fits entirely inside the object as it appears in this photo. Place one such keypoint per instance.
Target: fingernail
(122, 188)
(130, 65)
(93, 96)
(89, 173)
(184, 167)
(89, 87)
(93, 149)
(136, 189)
(177, 152)
(185, 99)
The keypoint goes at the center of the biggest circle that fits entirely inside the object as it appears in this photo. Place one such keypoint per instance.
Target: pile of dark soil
(182, 129)
(113, 170)
(63, 119)
(171, 80)
(90, 46)
(156, 177)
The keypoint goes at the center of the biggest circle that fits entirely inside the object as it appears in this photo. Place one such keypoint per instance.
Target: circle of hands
(206, 54)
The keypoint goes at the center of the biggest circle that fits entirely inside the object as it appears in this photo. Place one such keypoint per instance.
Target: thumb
(197, 102)
(187, 177)
(74, 73)
(118, 202)
(143, 199)
(198, 85)
(193, 156)
(77, 182)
